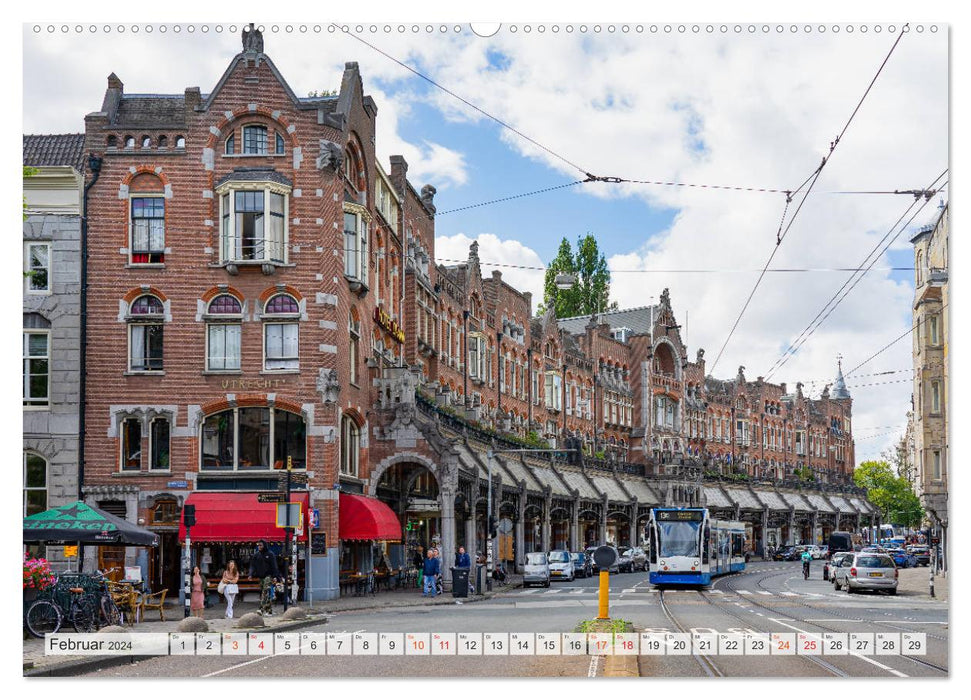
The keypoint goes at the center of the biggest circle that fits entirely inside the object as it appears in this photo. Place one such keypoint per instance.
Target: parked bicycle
(65, 601)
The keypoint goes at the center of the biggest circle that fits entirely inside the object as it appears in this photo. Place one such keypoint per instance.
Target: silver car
(561, 565)
(866, 571)
(638, 558)
(536, 570)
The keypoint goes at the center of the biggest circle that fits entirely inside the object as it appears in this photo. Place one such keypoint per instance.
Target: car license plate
(876, 574)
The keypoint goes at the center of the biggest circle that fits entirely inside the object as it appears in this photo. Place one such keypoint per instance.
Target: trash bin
(460, 583)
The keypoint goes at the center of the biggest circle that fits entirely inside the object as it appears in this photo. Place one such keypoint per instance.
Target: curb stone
(73, 668)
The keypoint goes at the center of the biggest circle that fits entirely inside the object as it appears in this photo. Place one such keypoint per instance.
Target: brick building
(262, 293)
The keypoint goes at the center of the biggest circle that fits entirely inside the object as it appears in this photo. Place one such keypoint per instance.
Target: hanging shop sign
(383, 319)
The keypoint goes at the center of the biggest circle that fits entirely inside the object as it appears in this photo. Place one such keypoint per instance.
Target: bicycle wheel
(43, 617)
(110, 614)
(84, 614)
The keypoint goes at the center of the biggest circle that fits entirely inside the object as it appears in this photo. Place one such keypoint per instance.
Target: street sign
(271, 498)
(295, 513)
(177, 484)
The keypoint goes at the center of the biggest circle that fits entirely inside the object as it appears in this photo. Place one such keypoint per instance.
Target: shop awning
(363, 518)
(240, 517)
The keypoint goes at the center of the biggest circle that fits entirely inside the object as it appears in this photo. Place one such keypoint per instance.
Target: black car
(582, 564)
(783, 553)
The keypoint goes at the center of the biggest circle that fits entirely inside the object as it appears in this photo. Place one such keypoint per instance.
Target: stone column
(633, 528)
(792, 526)
(547, 528)
(519, 551)
(603, 523)
(447, 497)
(812, 527)
(575, 528)
(765, 531)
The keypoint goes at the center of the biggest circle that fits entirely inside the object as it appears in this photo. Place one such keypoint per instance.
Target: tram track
(776, 611)
(707, 664)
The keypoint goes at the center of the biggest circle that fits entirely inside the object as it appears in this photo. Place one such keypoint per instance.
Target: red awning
(363, 518)
(239, 517)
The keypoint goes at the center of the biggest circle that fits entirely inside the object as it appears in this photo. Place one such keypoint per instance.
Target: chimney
(113, 95)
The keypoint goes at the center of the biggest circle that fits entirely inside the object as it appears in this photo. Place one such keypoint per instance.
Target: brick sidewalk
(916, 582)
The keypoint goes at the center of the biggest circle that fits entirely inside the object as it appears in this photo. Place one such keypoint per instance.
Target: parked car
(922, 554)
(638, 558)
(624, 563)
(561, 565)
(833, 562)
(782, 554)
(815, 551)
(902, 558)
(536, 570)
(866, 571)
(795, 553)
(582, 565)
(824, 548)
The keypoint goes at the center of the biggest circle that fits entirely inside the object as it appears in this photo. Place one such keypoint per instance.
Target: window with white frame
(35, 484)
(354, 333)
(477, 357)
(37, 378)
(146, 317)
(37, 267)
(350, 446)
(223, 334)
(254, 223)
(147, 230)
(356, 220)
(281, 333)
(554, 390)
(255, 140)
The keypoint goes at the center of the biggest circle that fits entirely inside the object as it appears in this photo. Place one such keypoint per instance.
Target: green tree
(590, 293)
(890, 493)
(322, 93)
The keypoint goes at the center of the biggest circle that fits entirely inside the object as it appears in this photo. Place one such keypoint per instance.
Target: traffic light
(493, 533)
(189, 515)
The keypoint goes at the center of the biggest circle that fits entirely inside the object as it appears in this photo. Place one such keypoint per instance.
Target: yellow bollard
(604, 613)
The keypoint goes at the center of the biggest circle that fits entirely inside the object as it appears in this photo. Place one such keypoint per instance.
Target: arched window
(223, 334)
(131, 444)
(35, 484)
(254, 140)
(147, 221)
(146, 141)
(145, 331)
(280, 146)
(350, 446)
(354, 332)
(112, 142)
(281, 333)
(165, 512)
(180, 141)
(231, 145)
(163, 142)
(158, 437)
(253, 438)
(129, 141)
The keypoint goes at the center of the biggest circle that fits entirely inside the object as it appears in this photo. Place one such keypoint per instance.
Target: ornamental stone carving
(328, 385)
(331, 156)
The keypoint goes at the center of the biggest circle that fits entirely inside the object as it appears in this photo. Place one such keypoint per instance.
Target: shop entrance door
(168, 573)
(112, 557)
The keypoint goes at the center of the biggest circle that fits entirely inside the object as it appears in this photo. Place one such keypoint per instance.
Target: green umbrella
(79, 522)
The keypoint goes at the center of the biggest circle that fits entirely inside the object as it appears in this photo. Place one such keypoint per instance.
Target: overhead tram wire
(812, 179)
(851, 282)
(542, 268)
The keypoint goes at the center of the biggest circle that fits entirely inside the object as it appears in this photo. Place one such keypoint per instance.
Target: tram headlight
(662, 562)
(695, 562)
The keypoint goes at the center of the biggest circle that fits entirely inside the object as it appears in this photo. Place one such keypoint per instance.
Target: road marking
(789, 593)
(744, 592)
(859, 656)
(628, 590)
(592, 670)
(765, 592)
(718, 592)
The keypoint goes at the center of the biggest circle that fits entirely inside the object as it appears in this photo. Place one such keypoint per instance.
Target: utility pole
(291, 560)
(188, 519)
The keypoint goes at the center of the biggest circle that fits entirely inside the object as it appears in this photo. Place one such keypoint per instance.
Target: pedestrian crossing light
(493, 532)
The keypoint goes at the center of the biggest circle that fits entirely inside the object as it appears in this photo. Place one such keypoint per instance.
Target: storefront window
(253, 439)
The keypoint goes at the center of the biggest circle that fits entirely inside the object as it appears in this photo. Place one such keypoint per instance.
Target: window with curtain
(281, 333)
(146, 334)
(223, 334)
(147, 230)
(350, 446)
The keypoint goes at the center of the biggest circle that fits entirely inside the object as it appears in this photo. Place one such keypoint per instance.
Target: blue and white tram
(688, 547)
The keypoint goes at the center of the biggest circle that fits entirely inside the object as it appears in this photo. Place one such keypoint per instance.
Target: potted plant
(37, 576)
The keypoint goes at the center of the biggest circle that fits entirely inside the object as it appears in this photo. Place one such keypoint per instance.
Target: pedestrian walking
(430, 571)
(418, 561)
(230, 586)
(197, 600)
(263, 566)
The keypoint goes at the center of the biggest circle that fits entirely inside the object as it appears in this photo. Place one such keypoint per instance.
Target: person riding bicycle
(806, 559)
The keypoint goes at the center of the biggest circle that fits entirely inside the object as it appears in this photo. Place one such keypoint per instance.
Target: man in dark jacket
(263, 566)
(462, 559)
(430, 571)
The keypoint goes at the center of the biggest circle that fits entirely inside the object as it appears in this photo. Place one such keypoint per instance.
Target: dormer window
(254, 140)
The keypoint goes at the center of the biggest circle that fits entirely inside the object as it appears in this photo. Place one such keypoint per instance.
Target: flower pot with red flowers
(37, 576)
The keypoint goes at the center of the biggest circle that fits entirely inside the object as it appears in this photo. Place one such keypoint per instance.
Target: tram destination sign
(690, 515)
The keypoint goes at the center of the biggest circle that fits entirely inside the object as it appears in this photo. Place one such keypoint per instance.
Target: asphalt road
(768, 597)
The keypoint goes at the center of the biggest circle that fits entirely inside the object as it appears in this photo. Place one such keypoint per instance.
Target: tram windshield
(678, 539)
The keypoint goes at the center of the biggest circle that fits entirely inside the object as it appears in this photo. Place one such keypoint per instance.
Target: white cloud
(511, 258)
